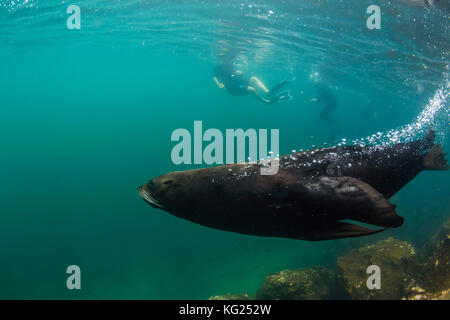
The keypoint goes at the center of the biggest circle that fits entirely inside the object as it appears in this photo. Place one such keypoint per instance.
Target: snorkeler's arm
(218, 83)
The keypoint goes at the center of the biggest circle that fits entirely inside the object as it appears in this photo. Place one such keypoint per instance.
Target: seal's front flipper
(350, 198)
(339, 230)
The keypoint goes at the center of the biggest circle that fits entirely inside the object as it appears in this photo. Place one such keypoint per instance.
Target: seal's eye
(168, 182)
(150, 184)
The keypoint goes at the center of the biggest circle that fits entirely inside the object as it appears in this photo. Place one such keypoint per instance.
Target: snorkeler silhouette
(228, 75)
(326, 96)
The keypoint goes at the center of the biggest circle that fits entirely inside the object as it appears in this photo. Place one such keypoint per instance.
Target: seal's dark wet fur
(312, 197)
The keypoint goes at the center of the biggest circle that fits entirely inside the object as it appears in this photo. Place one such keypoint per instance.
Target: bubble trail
(435, 114)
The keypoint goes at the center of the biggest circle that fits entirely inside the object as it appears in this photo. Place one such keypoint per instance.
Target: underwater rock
(230, 296)
(418, 293)
(396, 260)
(302, 284)
(435, 276)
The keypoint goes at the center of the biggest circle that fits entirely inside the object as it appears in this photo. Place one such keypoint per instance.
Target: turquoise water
(87, 115)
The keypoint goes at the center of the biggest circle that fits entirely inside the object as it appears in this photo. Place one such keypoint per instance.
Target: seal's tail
(434, 159)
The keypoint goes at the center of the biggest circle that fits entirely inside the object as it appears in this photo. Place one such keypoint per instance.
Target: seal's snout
(145, 194)
(141, 192)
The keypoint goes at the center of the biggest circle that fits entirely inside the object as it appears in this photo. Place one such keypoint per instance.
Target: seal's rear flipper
(434, 159)
(428, 140)
(339, 230)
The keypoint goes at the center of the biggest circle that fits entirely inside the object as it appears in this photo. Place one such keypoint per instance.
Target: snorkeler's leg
(278, 87)
(258, 83)
(255, 94)
(281, 97)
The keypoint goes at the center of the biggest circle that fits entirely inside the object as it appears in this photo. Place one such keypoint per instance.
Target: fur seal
(309, 198)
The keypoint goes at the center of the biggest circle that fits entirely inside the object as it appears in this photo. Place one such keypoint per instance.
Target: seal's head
(155, 191)
(170, 192)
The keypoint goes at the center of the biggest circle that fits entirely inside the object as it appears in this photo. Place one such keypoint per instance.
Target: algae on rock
(396, 260)
(230, 296)
(434, 276)
(302, 284)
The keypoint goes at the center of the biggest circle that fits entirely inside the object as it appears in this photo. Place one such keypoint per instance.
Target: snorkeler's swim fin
(278, 87)
(282, 97)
